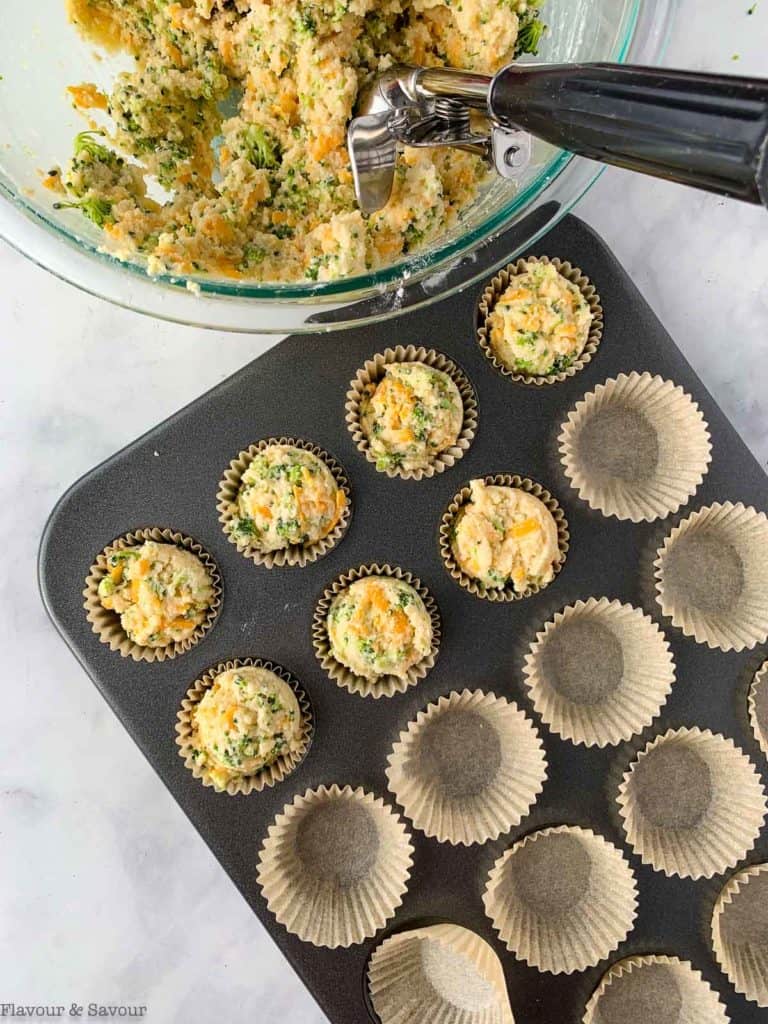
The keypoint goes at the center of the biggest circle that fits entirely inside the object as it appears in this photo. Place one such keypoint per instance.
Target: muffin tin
(169, 478)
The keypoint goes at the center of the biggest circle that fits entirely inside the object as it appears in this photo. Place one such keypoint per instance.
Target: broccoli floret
(529, 33)
(86, 142)
(97, 210)
(261, 148)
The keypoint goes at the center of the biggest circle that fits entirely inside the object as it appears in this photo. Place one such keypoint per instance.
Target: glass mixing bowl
(41, 54)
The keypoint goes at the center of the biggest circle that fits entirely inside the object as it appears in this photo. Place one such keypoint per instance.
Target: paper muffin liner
(654, 988)
(469, 583)
(440, 973)
(106, 624)
(561, 899)
(468, 768)
(500, 283)
(740, 932)
(374, 371)
(712, 576)
(636, 447)
(599, 672)
(335, 866)
(295, 554)
(383, 686)
(270, 774)
(758, 706)
(691, 803)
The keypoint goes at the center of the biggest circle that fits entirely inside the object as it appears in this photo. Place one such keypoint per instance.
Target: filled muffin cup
(475, 586)
(496, 288)
(740, 932)
(442, 973)
(636, 447)
(468, 768)
(654, 988)
(561, 899)
(297, 555)
(342, 675)
(758, 706)
(374, 371)
(691, 804)
(599, 672)
(271, 773)
(106, 623)
(335, 866)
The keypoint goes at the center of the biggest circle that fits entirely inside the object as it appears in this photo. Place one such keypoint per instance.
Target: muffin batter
(411, 415)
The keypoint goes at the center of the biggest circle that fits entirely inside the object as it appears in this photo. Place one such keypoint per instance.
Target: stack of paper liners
(442, 973)
(562, 899)
(599, 672)
(468, 768)
(654, 990)
(740, 932)
(335, 865)
(636, 447)
(712, 576)
(692, 803)
(758, 706)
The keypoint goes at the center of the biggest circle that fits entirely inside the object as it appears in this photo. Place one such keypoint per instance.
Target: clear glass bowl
(41, 54)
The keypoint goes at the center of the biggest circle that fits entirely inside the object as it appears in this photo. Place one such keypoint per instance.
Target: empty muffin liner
(599, 672)
(374, 371)
(383, 686)
(106, 624)
(740, 932)
(462, 498)
(468, 768)
(691, 803)
(440, 973)
(636, 447)
(335, 866)
(758, 706)
(654, 989)
(562, 899)
(712, 576)
(270, 774)
(295, 554)
(500, 283)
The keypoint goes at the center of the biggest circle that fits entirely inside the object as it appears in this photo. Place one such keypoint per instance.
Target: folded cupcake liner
(654, 989)
(740, 932)
(468, 768)
(374, 371)
(562, 899)
(636, 447)
(599, 672)
(692, 803)
(270, 774)
(335, 866)
(758, 706)
(462, 498)
(712, 576)
(106, 624)
(441, 973)
(384, 686)
(500, 283)
(295, 554)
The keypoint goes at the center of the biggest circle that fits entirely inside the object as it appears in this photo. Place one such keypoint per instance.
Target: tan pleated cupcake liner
(726, 828)
(106, 624)
(597, 889)
(500, 283)
(440, 973)
(383, 686)
(295, 554)
(757, 703)
(270, 774)
(462, 498)
(499, 751)
(745, 961)
(335, 866)
(616, 711)
(374, 371)
(682, 441)
(640, 982)
(738, 620)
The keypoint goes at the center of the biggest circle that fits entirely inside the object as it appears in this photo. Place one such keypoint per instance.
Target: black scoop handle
(710, 131)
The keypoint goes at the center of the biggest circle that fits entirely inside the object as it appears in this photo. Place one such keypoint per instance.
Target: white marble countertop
(106, 892)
